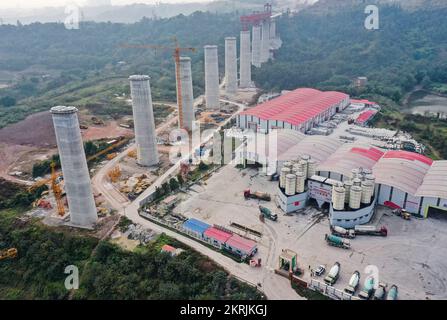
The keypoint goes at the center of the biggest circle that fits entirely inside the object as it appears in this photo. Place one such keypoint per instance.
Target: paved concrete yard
(413, 256)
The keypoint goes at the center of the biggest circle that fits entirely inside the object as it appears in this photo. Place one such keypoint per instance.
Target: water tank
(303, 164)
(300, 181)
(355, 197)
(338, 197)
(311, 168)
(282, 178)
(367, 192)
(355, 173)
(290, 184)
(348, 185)
(357, 182)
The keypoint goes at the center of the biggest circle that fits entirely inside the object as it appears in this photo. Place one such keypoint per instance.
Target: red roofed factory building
(300, 110)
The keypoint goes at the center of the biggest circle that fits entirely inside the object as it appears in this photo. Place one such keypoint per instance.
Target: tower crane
(57, 191)
(8, 253)
(176, 51)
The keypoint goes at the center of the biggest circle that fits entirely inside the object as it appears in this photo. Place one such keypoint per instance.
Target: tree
(174, 184)
(7, 101)
(180, 179)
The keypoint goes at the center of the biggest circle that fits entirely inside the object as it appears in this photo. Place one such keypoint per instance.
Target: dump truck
(337, 241)
(342, 232)
(380, 292)
(392, 293)
(267, 213)
(333, 274)
(256, 195)
(371, 230)
(353, 283)
(368, 288)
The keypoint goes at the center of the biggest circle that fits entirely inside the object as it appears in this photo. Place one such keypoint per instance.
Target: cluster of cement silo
(294, 174)
(355, 192)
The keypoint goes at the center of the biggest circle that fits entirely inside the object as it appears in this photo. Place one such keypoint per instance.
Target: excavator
(8, 253)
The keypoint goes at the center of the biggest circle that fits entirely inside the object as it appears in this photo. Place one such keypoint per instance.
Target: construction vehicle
(337, 241)
(392, 293)
(404, 214)
(380, 292)
(267, 213)
(371, 230)
(132, 154)
(97, 121)
(176, 54)
(342, 232)
(368, 288)
(256, 195)
(353, 283)
(8, 253)
(333, 274)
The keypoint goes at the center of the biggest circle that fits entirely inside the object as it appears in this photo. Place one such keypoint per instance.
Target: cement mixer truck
(392, 293)
(353, 283)
(337, 241)
(333, 274)
(342, 232)
(368, 288)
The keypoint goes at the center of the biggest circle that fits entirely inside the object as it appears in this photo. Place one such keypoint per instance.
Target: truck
(257, 195)
(267, 213)
(337, 241)
(333, 274)
(392, 293)
(353, 283)
(371, 230)
(368, 288)
(404, 214)
(380, 292)
(342, 232)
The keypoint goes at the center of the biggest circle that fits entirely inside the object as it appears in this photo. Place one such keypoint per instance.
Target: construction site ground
(412, 256)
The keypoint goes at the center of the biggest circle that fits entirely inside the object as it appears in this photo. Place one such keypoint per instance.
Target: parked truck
(371, 230)
(368, 288)
(342, 232)
(392, 293)
(353, 283)
(257, 195)
(337, 241)
(267, 213)
(333, 274)
(380, 292)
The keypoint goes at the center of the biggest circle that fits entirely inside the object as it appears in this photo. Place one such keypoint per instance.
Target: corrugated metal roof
(168, 248)
(402, 169)
(283, 138)
(351, 156)
(217, 234)
(242, 244)
(196, 225)
(318, 147)
(435, 181)
(298, 106)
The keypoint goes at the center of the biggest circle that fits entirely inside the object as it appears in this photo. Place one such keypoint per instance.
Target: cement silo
(211, 77)
(265, 41)
(144, 123)
(338, 197)
(355, 197)
(290, 188)
(231, 65)
(245, 60)
(186, 114)
(74, 167)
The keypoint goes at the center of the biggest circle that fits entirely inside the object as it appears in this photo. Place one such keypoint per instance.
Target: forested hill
(329, 50)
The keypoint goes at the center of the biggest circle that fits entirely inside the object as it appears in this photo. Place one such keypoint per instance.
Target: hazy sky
(58, 3)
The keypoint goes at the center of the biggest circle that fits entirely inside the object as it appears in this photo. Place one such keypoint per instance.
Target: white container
(290, 184)
(282, 178)
(355, 197)
(338, 198)
(300, 182)
(311, 168)
(367, 192)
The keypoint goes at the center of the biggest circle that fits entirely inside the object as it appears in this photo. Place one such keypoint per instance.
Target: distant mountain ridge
(328, 6)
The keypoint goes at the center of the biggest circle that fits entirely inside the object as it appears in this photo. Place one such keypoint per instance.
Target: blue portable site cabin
(195, 228)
